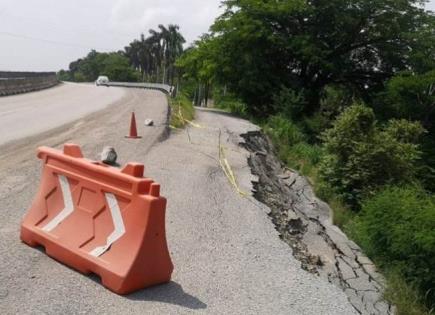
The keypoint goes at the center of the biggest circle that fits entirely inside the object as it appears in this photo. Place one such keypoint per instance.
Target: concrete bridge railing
(22, 82)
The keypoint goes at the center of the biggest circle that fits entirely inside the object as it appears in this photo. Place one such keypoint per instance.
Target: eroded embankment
(304, 223)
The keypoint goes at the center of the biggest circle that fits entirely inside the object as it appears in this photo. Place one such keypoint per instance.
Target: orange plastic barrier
(98, 219)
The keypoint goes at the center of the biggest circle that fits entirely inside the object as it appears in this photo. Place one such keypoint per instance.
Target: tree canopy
(115, 65)
(258, 47)
(149, 59)
(154, 56)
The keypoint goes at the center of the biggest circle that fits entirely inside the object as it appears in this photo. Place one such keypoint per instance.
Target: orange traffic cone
(133, 129)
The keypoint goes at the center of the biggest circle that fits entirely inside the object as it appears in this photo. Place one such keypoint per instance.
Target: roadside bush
(234, 106)
(289, 102)
(229, 102)
(283, 131)
(405, 296)
(292, 148)
(181, 110)
(304, 158)
(361, 156)
(396, 228)
(311, 153)
(314, 125)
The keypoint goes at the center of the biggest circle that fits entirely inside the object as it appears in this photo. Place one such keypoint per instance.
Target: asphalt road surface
(227, 255)
(31, 113)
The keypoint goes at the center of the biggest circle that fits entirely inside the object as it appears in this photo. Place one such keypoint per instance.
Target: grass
(182, 111)
(406, 298)
(232, 106)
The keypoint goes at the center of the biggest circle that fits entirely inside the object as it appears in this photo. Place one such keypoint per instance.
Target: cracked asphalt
(305, 223)
(228, 257)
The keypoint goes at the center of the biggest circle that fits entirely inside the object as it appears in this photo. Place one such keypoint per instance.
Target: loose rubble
(109, 155)
(304, 223)
(149, 122)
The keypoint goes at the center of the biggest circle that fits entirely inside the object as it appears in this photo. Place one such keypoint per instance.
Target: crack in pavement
(305, 224)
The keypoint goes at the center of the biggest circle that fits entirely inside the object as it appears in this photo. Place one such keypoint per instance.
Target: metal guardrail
(168, 89)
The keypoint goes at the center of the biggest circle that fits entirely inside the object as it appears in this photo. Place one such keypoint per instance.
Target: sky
(46, 35)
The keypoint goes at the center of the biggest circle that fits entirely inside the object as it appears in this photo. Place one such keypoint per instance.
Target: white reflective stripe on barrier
(118, 223)
(68, 205)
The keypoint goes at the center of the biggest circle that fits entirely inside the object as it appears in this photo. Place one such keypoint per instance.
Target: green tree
(411, 96)
(63, 75)
(117, 68)
(198, 63)
(264, 45)
(362, 156)
(154, 56)
(115, 65)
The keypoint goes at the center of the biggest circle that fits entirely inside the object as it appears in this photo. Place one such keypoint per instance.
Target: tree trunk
(198, 96)
(313, 101)
(206, 94)
(164, 72)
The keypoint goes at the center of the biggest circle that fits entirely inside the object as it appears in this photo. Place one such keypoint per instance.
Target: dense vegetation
(346, 90)
(149, 59)
(114, 65)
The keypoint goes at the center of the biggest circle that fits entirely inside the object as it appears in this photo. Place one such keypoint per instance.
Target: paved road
(30, 113)
(228, 257)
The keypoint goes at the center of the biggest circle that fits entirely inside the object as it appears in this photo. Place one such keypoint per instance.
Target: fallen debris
(149, 122)
(305, 224)
(109, 156)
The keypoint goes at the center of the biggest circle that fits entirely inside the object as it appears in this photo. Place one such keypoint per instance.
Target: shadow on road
(171, 293)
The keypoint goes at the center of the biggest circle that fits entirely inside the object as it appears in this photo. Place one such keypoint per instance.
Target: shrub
(314, 125)
(289, 102)
(283, 131)
(311, 153)
(405, 296)
(235, 107)
(396, 228)
(361, 156)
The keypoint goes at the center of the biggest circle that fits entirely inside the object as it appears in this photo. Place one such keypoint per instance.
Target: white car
(102, 79)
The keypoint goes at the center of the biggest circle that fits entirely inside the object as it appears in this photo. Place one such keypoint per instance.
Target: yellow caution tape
(222, 159)
(180, 115)
(228, 171)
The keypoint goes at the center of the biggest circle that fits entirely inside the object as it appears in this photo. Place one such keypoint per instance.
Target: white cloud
(49, 34)
(74, 27)
(194, 17)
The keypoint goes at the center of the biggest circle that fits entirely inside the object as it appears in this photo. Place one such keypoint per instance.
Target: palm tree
(155, 55)
(175, 48)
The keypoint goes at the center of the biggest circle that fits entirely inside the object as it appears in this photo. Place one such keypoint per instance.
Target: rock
(149, 122)
(109, 156)
(284, 176)
(295, 226)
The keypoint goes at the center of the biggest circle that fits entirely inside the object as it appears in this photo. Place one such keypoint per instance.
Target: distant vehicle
(102, 79)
